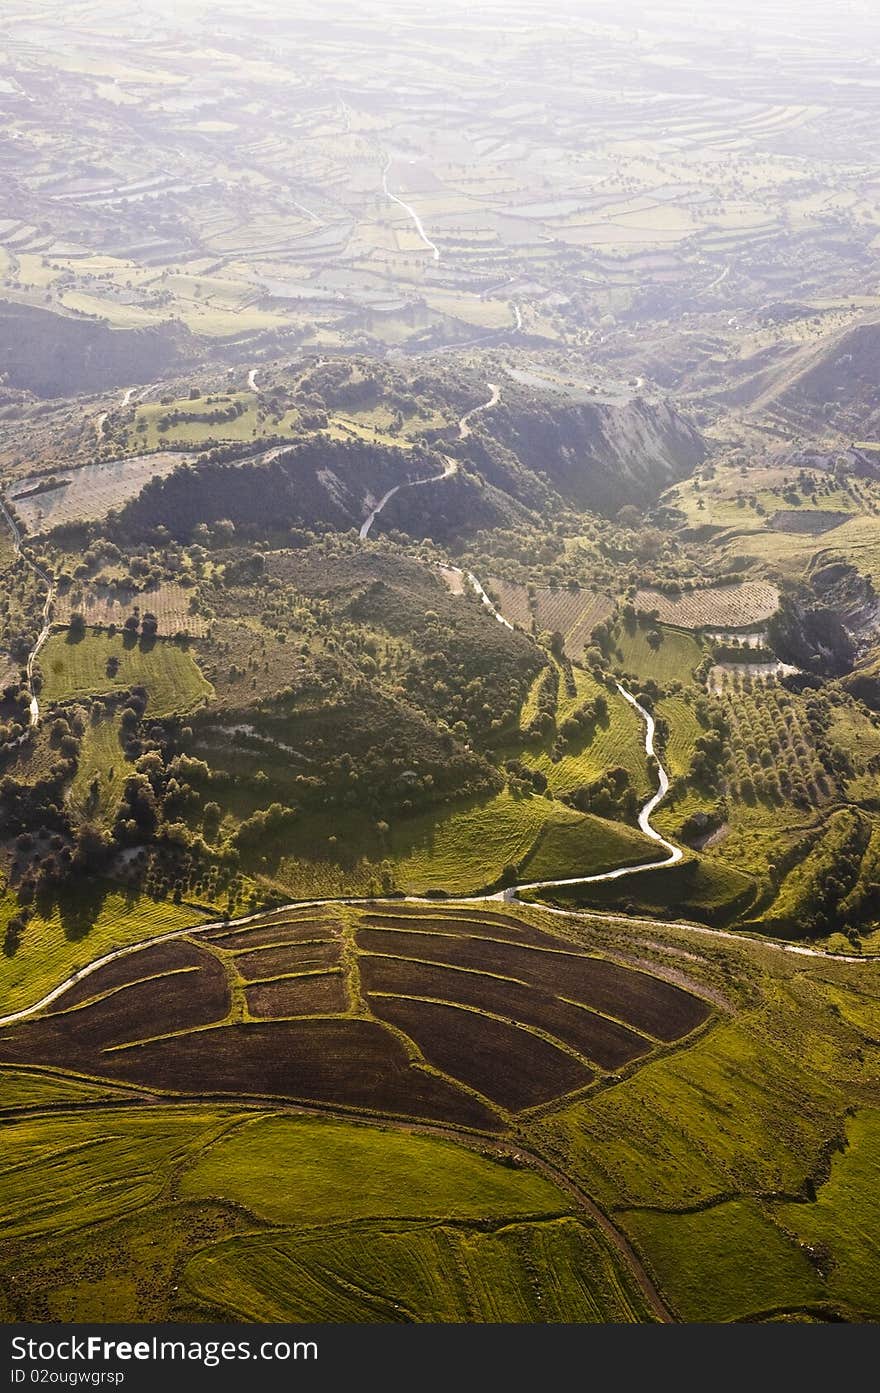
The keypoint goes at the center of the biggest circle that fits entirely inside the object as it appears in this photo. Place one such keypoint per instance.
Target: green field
(586, 843)
(698, 1150)
(106, 1211)
(684, 729)
(334, 1171)
(37, 1088)
(672, 660)
(700, 1262)
(540, 1270)
(742, 1165)
(254, 420)
(79, 669)
(100, 754)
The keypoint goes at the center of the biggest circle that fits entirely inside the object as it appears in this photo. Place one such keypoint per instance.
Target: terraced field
(156, 1210)
(489, 1016)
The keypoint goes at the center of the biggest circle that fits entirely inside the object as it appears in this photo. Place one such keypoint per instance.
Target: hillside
(56, 355)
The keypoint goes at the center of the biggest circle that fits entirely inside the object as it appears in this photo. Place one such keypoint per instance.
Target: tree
(92, 850)
(211, 815)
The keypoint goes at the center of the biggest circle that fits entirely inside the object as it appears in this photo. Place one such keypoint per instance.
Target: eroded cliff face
(604, 454)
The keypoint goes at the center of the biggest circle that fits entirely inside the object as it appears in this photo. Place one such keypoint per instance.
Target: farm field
(692, 1196)
(722, 607)
(102, 759)
(427, 1272)
(173, 606)
(88, 493)
(414, 1238)
(181, 1009)
(573, 613)
(418, 1197)
(684, 729)
(78, 667)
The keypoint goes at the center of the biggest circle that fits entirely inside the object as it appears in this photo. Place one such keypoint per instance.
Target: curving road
(47, 610)
(420, 228)
(675, 853)
(464, 429)
(450, 467)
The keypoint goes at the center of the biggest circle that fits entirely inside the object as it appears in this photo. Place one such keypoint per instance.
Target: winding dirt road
(464, 428)
(675, 852)
(419, 225)
(450, 467)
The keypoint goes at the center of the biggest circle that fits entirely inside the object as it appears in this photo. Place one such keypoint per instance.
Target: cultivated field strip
(596, 1038)
(314, 994)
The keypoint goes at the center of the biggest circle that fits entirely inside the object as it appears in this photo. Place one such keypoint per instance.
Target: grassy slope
(586, 844)
(687, 1150)
(689, 1247)
(31, 1087)
(703, 889)
(78, 669)
(845, 1217)
(684, 729)
(618, 740)
(459, 850)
